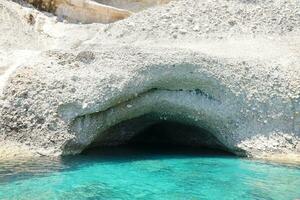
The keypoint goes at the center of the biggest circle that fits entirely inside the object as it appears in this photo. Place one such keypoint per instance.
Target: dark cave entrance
(159, 137)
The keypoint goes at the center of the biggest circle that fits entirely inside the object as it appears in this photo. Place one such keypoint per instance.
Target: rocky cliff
(229, 67)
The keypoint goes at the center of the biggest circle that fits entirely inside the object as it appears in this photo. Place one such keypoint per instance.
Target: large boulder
(94, 11)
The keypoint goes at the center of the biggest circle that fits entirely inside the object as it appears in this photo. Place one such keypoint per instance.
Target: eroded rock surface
(230, 67)
(94, 11)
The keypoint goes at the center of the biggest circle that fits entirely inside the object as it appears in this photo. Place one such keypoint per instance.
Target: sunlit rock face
(66, 87)
(94, 11)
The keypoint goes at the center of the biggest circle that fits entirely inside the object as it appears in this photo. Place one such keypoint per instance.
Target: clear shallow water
(135, 174)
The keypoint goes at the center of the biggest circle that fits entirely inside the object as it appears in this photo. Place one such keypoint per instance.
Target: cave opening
(156, 137)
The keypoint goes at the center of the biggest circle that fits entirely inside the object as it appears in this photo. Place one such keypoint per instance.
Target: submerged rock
(65, 86)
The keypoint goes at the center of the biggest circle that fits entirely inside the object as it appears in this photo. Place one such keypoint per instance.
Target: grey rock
(81, 82)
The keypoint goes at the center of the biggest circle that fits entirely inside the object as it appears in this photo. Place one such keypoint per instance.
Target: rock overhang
(170, 83)
(142, 93)
(186, 87)
(186, 107)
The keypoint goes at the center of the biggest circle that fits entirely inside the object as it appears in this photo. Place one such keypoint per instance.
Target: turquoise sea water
(128, 174)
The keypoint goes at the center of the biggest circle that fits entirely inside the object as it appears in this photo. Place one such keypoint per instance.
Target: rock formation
(230, 69)
(90, 11)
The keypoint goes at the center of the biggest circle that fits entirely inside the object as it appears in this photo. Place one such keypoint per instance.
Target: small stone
(174, 26)
(196, 28)
(290, 28)
(74, 78)
(182, 31)
(84, 105)
(85, 57)
(190, 19)
(130, 24)
(232, 22)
